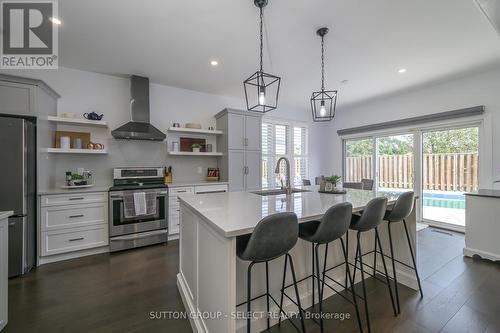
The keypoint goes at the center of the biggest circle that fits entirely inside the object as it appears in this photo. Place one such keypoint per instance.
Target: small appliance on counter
(138, 208)
(81, 179)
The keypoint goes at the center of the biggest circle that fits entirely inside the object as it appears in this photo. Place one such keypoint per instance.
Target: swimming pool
(444, 200)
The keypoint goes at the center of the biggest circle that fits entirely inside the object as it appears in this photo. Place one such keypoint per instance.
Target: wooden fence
(441, 172)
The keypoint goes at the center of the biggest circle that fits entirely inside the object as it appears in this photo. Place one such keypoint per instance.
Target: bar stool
(401, 210)
(332, 226)
(370, 219)
(272, 238)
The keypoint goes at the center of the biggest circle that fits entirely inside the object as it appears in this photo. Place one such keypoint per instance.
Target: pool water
(444, 200)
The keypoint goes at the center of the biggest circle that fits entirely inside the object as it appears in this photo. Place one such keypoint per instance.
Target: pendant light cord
(261, 38)
(322, 63)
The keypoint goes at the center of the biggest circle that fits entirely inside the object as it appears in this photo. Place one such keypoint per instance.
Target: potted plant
(196, 147)
(332, 182)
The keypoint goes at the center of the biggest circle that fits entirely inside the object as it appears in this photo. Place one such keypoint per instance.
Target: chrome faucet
(288, 187)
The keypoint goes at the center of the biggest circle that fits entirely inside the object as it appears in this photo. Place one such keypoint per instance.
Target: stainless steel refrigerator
(18, 189)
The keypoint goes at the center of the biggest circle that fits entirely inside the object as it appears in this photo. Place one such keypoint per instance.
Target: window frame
(290, 153)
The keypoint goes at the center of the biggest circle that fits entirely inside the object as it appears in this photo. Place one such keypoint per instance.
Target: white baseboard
(71, 255)
(468, 252)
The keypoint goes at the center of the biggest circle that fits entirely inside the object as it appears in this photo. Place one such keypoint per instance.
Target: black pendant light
(262, 89)
(323, 102)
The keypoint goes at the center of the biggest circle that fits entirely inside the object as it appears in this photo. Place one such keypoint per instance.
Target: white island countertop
(4, 215)
(237, 213)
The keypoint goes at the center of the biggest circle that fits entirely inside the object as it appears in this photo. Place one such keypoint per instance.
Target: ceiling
(172, 42)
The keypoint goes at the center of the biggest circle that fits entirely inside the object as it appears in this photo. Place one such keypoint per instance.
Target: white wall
(479, 89)
(84, 91)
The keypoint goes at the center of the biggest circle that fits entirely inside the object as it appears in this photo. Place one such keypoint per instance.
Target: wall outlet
(200, 170)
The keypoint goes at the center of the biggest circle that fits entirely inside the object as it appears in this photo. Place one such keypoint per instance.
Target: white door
(253, 164)
(236, 170)
(253, 133)
(236, 131)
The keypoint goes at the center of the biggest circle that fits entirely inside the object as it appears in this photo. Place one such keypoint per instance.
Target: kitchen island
(212, 281)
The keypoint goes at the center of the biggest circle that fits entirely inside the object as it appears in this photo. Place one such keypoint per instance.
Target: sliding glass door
(450, 167)
(395, 163)
(439, 164)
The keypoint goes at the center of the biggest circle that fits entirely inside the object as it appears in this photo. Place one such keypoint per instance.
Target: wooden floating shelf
(194, 131)
(77, 122)
(76, 151)
(189, 153)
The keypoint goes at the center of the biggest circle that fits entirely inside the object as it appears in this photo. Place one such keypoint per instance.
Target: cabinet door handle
(72, 199)
(75, 216)
(246, 141)
(183, 191)
(76, 239)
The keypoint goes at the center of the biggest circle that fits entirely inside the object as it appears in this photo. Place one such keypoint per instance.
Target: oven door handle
(138, 236)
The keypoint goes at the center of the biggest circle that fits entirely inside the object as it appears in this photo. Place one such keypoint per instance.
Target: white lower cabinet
(4, 272)
(173, 202)
(72, 222)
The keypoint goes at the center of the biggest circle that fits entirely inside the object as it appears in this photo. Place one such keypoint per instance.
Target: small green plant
(333, 179)
(195, 145)
(76, 177)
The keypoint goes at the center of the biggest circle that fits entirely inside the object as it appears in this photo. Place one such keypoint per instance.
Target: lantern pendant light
(323, 102)
(262, 89)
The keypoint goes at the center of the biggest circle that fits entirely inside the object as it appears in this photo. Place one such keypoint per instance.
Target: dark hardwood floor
(116, 293)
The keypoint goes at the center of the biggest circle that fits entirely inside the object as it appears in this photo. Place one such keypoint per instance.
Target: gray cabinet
(241, 145)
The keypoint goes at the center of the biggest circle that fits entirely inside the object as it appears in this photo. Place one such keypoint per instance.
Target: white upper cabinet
(253, 133)
(236, 131)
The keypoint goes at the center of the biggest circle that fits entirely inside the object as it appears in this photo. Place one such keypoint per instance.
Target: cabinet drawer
(180, 190)
(63, 217)
(70, 199)
(210, 189)
(69, 240)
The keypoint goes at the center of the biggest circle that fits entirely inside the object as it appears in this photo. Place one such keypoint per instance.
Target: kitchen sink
(279, 191)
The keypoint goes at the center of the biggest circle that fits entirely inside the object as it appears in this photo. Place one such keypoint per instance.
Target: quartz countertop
(196, 183)
(485, 193)
(4, 215)
(74, 190)
(237, 213)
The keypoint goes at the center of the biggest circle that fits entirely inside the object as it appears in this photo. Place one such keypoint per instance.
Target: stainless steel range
(138, 208)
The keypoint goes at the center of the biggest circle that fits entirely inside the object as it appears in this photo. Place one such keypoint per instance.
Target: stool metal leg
(282, 290)
(297, 293)
(347, 255)
(312, 274)
(393, 266)
(249, 294)
(413, 259)
(267, 295)
(322, 290)
(317, 274)
(386, 273)
(358, 250)
(355, 264)
(375, 259)
(358, 316)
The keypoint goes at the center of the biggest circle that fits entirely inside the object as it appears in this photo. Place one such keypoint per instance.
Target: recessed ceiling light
(402, 70)
(214, 63)
(55, 20)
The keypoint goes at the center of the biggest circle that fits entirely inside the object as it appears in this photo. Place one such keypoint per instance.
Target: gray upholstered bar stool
(399, 213)
(369, 220)
(271, 238)
(332, 226)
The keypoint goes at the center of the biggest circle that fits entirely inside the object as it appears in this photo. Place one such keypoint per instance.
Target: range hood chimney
(139, 127)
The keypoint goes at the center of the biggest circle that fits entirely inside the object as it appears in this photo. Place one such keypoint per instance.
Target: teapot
(93, 116)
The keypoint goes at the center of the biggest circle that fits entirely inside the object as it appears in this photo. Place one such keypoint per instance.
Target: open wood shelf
(77, 122)
(76, 151)
(194, 131)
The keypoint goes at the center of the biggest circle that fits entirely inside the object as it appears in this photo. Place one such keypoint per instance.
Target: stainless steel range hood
(139, 127)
